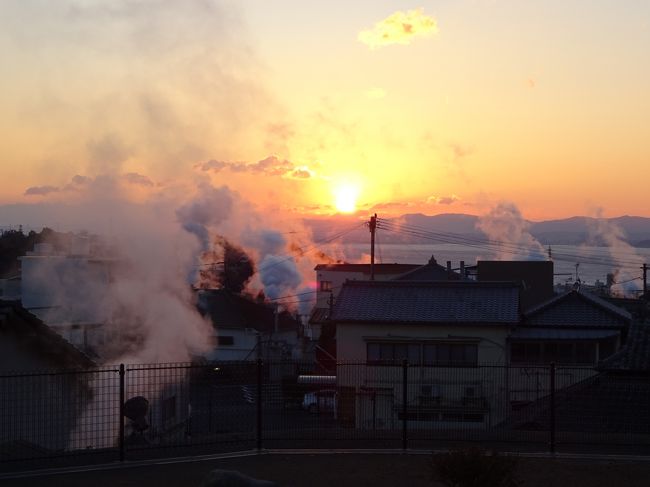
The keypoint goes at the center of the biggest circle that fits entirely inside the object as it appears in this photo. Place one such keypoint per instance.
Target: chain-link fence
(130, 412)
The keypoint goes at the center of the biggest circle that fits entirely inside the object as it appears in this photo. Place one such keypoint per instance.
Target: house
(245, 329)
(611, 404)
(40, 405)
(469, 342)
(444, 329)
(576, 328)
(330, 279)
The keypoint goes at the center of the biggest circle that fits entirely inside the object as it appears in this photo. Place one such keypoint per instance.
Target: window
(326, 286)
(422, 353)
(562, 352)
(450, 354)
(225, 340)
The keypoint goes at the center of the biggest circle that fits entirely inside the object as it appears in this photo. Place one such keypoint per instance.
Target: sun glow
(345, 197)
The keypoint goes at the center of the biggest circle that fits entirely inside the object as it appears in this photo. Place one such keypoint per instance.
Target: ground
(347, 470)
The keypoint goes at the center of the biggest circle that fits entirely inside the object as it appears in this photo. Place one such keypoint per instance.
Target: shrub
(473, 467)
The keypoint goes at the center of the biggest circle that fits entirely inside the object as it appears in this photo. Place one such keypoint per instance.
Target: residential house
(444, 329)
(450, 331)
(245, 329)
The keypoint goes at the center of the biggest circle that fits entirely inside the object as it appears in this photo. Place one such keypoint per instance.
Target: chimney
(448, 269)
(462, 269)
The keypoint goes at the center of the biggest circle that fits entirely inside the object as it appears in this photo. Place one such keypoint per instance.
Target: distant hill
(576, 230)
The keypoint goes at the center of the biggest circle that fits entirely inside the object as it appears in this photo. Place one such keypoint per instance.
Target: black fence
(136, 412)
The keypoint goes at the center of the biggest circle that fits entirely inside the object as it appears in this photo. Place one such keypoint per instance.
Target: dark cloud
(41, 190)
(139, 179)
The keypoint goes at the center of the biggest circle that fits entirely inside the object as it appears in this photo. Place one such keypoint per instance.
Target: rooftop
(434, 302)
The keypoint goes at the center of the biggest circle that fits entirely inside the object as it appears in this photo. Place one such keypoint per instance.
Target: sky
(314, 108)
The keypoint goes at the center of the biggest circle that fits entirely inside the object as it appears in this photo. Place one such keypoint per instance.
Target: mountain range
(577, 230)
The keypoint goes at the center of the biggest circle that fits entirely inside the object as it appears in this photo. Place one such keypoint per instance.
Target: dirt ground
(346, 470)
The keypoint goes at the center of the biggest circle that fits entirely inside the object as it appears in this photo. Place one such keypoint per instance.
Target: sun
(345, 197)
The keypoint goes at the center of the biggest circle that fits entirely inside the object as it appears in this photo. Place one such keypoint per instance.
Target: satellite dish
(136, 410)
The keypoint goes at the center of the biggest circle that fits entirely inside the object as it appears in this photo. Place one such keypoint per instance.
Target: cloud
(270, 166)
(399, 28)
(139, 179)
(443, 200)
(41, 190)
(302, 172)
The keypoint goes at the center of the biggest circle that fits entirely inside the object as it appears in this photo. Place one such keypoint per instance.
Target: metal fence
(133, 412)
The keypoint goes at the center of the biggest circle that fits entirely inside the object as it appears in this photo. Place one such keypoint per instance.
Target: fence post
(405, 373)
(259, 404)
(121, 421)
(552, 408)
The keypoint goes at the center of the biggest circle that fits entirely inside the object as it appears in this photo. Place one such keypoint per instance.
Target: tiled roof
(635, 355)
(429, 272)
(32, 333)
(319, 316)
(427, 302)
(577, 308)
(365, 268)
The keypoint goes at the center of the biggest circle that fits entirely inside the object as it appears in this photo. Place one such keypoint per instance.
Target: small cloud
(399, 28)
(41, 190)
(270, 166)
(442, 200)
(301, 172)
(376, 93)
(139, 179)
(212, 165)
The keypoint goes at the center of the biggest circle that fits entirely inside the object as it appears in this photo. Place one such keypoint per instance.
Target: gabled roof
(431, 271)
(230, 310)
(577, 308)
(434, 302)
(365, 268)
(33, 334)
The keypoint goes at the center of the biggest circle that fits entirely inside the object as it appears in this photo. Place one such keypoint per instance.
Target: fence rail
(130, 412)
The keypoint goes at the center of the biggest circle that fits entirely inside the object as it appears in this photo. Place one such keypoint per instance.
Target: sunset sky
(390, 106)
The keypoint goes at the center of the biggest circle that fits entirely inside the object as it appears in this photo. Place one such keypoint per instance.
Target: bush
(473, 467)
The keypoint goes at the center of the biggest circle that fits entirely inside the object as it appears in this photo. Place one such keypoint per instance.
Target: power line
(506, 247)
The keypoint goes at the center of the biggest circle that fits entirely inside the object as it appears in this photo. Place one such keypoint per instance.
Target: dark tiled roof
(319, 316)
(431, 271)
(230, 310)
(32, 333)
(365, 268)
(577, 308)
(635, 355)
(427, 302)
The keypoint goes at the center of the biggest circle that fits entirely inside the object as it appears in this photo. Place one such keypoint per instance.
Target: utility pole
(330, 304)
(373, 229)
(645, 281)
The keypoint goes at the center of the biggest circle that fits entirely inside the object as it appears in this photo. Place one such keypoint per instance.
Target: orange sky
(433, 107)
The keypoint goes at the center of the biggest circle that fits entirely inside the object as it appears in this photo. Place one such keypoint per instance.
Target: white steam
(629, 262)
(505, 224)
